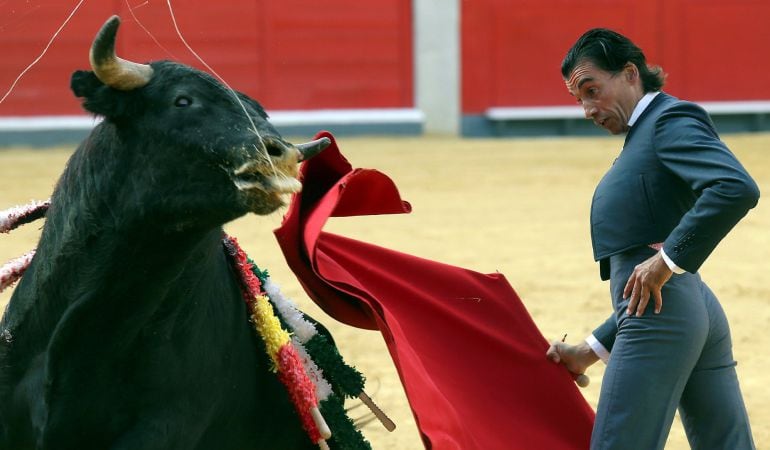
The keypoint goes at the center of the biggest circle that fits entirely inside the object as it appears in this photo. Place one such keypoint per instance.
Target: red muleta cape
(471, 359)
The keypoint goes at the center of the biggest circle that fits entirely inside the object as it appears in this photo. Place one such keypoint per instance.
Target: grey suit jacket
(674, 182)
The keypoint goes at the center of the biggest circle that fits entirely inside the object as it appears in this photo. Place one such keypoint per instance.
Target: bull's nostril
(274, 150)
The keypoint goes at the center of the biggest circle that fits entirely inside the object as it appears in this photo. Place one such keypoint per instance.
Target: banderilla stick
(383, 418)
(323, 428)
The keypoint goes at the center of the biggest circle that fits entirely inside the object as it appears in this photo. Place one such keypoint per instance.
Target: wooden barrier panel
(712, 50)
(25, 30)
(291, 55)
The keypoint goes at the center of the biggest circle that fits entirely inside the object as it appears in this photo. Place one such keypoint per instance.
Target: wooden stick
(384, 419)
(323, 445)
(323, 428)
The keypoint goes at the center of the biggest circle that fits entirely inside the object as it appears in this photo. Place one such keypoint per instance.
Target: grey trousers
(681, 358)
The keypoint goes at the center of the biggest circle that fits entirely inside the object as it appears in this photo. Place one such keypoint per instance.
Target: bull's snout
(312, 148)
(279, 174)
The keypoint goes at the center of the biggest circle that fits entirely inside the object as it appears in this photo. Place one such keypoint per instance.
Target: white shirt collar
(641, 106)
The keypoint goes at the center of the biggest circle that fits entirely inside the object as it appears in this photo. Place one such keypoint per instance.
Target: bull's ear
(84, 83)
(99, 98)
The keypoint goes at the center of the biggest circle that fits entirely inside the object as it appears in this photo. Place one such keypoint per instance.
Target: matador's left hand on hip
(646, 280)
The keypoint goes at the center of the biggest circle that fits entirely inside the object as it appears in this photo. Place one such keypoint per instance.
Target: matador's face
(607, 98)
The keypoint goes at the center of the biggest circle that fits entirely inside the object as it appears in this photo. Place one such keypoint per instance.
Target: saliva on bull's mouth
(277, 173)
(267, 180)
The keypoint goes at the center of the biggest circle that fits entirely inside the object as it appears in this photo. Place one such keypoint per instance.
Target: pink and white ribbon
(14, 269)
(19, 215)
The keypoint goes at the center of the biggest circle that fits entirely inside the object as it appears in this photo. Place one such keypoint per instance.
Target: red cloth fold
(470, 357)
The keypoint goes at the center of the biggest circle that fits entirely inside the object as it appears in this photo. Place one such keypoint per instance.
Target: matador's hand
(647, 279)
(576, 358)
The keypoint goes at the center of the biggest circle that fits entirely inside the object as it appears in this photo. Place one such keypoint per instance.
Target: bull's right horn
(312, 148)
(111, 70)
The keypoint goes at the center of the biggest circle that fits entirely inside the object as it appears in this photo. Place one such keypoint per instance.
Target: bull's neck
(130, 271)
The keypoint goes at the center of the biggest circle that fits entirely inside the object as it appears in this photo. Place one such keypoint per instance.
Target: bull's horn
(312, 148)
(111, 70)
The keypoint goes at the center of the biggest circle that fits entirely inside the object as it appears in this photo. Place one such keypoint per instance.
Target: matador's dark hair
(610, 51)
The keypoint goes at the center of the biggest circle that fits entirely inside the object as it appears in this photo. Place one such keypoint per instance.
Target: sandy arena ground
(515, 206)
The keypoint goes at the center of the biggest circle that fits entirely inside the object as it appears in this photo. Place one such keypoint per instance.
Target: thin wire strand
(222, 80)
(136, 19)
(262, 148)
(45, 50)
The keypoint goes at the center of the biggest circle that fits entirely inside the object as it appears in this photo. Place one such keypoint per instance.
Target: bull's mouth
(267, 182)
(277, 177)
(264, 191)
(247, 178)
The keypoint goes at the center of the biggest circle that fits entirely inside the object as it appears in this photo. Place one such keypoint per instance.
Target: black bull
(129, 329)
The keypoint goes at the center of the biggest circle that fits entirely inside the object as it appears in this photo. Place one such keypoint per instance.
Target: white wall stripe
(569, 112)
(277, 118)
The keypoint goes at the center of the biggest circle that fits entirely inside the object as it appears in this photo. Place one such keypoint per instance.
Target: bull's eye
(183, 101)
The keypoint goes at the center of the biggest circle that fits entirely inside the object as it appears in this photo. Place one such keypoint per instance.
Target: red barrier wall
(296, 54)
(712, 49)
(291, 54)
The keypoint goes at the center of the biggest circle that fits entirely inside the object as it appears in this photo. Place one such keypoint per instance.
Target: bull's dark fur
(128, 330)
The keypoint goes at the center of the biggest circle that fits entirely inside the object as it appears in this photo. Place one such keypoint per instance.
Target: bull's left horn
(312, 148)
(109, 68)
